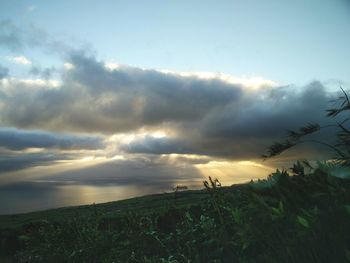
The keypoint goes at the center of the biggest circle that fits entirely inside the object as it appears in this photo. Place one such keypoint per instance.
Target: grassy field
(285, 218)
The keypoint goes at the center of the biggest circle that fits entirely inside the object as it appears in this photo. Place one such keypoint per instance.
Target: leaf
(278, 147)
(281, 207)
(188, 217)
(302, 221)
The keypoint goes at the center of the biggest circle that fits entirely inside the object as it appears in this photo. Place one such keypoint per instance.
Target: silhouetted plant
(341, 148)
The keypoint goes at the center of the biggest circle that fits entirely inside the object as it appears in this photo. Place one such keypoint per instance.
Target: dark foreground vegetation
(301, 217)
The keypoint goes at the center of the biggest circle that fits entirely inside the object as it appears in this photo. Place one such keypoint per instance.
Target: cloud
(245, 128)
(94, 99)
(3, 72)
(15, 139)
(210, 115)
(149, 144)
(68, 66)
(10, 163)
(15, 38)
(38, 83)
(45, 73)
(20, 60)
(10, 35)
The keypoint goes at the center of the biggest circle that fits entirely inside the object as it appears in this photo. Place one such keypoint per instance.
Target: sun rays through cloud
(88, 103)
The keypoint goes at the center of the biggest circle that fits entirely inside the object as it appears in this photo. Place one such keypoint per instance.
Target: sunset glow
(126, 95)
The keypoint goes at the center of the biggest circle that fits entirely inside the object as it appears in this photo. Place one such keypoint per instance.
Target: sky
(103, 100)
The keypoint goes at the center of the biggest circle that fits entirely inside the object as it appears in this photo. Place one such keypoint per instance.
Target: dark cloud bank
(14, 162)
(208, 116)
(15, 139)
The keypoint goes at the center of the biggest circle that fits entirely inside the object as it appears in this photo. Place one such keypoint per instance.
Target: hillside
(285, 218)
(116, 208)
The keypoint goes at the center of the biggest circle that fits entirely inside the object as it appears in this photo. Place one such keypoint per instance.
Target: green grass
(297, 218)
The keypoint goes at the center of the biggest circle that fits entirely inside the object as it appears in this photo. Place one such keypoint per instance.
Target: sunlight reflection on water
(27, 197)
(114, 181)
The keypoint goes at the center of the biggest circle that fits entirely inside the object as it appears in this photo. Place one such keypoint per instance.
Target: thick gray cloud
(208, 116)
(15, 139)
(13, 162)
(282, 107)
(130, 97)
(94, 99)
(244, 129)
